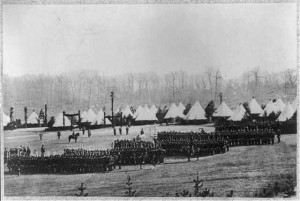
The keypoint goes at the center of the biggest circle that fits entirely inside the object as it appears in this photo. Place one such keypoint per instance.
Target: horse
(73, 137)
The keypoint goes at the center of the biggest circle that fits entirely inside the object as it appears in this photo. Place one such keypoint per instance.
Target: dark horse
(73, 136)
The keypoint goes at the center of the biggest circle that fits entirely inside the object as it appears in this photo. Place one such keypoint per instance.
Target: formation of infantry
(132, 144)
(59, 164)
(199, 144)
(248, 126)
(191, 144)
(74, 161)
(139, 152)
(253, 133)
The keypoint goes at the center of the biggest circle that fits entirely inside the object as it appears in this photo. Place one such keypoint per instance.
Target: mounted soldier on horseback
(73, 136)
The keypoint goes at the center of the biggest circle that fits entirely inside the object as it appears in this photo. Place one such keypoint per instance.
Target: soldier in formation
(203, 144)
(76, 161)
(191, 144)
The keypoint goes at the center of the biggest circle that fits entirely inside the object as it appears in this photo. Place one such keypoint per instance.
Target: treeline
(80, 90)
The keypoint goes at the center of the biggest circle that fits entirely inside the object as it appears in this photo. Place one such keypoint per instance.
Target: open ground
(243, 169)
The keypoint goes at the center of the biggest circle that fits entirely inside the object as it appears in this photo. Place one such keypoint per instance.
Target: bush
(210, 109)
(51, 122)
(187, 109)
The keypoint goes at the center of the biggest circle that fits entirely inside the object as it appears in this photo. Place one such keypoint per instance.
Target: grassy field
(242, 169)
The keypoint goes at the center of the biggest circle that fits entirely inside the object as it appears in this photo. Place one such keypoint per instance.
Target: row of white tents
(89, 116)
(32, 119)
(286, 110)
(195, 113)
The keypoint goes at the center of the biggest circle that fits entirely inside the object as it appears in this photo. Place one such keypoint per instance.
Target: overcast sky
(116, 39)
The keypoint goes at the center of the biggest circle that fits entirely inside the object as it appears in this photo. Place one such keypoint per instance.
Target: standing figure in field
(43, 151)
(41, 136)
(89, 133)
(58, 134)
(28, 152)
(127, 129)
(278, 137)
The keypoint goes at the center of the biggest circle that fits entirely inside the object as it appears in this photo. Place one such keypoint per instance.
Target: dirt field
(242, 169)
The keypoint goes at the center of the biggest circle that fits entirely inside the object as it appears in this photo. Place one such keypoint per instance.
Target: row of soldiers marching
(202, 144)
(246, 137)
(248, 125)
(59, 164)
(137, 151)
(132, 144)
(85, 161)
(191, 144)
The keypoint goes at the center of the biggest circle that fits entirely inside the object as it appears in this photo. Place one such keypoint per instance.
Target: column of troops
(60, 164)
(203, 144)
(249, 125)
(192, 144)
(75, 161)
(130, 152)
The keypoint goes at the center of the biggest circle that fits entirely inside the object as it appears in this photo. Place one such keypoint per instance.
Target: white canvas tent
(33, 118)
(181, 107)
(238, 113)
(196, 112)
(279, 104)
(59, 121)
(118, 110)
(138, 110)
(254, 107)
(270, 107)
(153, 109)
(90, 117)
(100, 118)
(174, 112)
(126, 112)
(145, 114)
(223, 110)
(287, 113)
(83, 115)
(6, 119)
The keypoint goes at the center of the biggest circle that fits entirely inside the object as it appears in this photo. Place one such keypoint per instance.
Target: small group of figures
(22, 152)
(76, 135)
(72, 136)
(120, 130)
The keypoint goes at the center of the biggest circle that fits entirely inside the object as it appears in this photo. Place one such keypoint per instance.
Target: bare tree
(130, 84)
(60, 80)
(209, 72)
(217, 78)
(72, 83)
(182, 75)
(290, 77)
(90, 80)
(81, 78)
(170, 79)
(99, 84)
